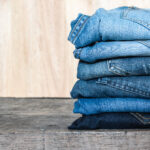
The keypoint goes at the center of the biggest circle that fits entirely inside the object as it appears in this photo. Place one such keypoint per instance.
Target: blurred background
(36, 59)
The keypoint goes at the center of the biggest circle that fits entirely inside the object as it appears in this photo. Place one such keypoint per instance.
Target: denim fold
(123, 23)
(110, 50)
(113, 48)
(111, 87)
(90, 106)
(112, 121)
(133, 66)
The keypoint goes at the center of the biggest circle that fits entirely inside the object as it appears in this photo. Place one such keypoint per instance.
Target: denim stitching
(126, 11)
(146, 68)
(138, 117)
(136, 91)
(110, 69)
(114, 70)
(80, 29)
(114, 82)
(125, 16)
(75, 26)
(144, 43)
(143, 116)
(139, 22)
(121, 70)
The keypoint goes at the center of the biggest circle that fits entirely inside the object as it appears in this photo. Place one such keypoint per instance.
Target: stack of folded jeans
(113, 89)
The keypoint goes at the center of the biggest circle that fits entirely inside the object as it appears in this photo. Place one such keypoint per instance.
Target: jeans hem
(77, 28)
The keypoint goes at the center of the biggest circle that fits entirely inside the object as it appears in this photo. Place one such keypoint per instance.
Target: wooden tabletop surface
(41, 124)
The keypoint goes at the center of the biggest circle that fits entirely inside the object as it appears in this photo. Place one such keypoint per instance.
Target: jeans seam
(121, 73)
(139, 22)
(110, 69)
(144, 43)
(125, 16)
(75, 26)
(143, 116)
(126, 11)
(79, 30)
(147, 95)
(137, 117)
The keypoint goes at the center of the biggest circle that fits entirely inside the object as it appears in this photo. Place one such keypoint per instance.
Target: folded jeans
(133, 66)
(110, 50)
(123, 23)
(112, 121)
(105, 87)
(90, 106)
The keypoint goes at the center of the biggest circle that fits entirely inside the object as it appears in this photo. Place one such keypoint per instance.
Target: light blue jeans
(109, 50)
(123, 23)
(132, 66)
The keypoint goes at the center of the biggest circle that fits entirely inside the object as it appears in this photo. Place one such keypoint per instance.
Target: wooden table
(41, 124)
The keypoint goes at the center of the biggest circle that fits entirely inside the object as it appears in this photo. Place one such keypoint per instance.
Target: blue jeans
(133, 66)
(134, 86)
(112, 121)
(89, 106)
(109, 50)
(123, 23)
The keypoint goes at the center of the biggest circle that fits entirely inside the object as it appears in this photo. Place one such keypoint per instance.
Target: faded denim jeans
(132, 66)
(112, 121)
(109, 50)
(90, 106)
(109, 87)
(123, 23)
(113, 47)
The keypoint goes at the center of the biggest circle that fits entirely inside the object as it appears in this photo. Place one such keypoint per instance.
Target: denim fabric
(112, 121)
(109, 50)
(89, 106)
(134, 86)
(123, 23)
(134, 66)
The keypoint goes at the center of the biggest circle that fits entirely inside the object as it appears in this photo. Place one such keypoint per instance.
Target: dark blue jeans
(112, 121)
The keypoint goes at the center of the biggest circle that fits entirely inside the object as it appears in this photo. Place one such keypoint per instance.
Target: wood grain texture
(35, 57)
(41, 124)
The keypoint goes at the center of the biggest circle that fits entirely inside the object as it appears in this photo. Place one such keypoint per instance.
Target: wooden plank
(102, 140)
(41, 124)
(36, 59)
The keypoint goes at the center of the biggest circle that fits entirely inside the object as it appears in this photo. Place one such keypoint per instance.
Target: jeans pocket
(121, 83)
(133, 66)
(117, 69)
(144, 118)
(137, 15)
